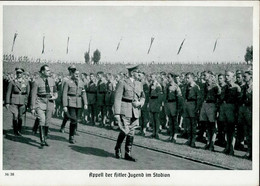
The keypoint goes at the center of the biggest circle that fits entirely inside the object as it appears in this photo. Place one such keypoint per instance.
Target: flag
(15, 35)
(215, 45)
(68, 45)
(43, 44)
(180, 46)
(150, 45)
(89, 46)
(118, 44)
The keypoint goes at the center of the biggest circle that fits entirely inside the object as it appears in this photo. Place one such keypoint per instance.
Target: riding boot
(35, 126)
(15, 128)
(128, 148)
(19, 127)
(119, 142)
(64, 121)
(72, 133)
(42, 136)
(46, 130)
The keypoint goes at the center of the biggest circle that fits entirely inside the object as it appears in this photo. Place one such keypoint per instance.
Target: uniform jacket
(174, 101)
(231, 94)
(128, 92)
(74, 95)
(110, 95)
(247, 95)
(211, 92)
(193, 93)
(101, 92)
(156, 97)
(92, 92)
(39, 97)
(146, 93)
(18, 92)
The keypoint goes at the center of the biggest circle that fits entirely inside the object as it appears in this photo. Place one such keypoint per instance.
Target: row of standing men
(221, 106)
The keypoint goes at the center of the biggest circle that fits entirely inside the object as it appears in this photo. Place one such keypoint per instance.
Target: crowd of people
(215, 109)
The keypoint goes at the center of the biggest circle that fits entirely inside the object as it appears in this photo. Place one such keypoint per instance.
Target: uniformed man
(71, 69)
(192, 104)
(92, 98)
(73, 99)
(16, 99)
(109, 98)
(101, 93)
(221, 133)
(173, 106)
(129, 98)
(227, 113)
(44, 92)
(209, 109)
(240, 125)
(155, 104)
(163, 117)
(245, 111)
(144, 118)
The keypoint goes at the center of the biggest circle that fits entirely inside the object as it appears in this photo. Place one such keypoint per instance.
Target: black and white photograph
(104, 93)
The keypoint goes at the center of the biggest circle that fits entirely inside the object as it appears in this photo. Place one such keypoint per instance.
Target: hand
(65, 109)
(7, 106)
(85, 107)
(33, 112)
(117, 118)
(137, 104)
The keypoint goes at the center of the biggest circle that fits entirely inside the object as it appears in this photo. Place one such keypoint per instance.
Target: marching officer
(71, 69)
(101, 93)
(245, 111)
(228, 110)
(209, 109)
(92, 98)
(73, 99)
(44, 92)
(16, 99)
(129, 98)
(155, 104)
(173, 106)
(192, 104)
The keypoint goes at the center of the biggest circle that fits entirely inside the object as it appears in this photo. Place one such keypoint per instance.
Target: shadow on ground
(92, 151)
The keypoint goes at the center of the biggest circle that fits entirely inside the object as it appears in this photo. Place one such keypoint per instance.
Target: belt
(73, 95)
(153, 97)
(190, 100)
(210, 101)
(102, 92)
(43, 95)
(127, 100)
(171, 100)
(92, 92)
(21, 93)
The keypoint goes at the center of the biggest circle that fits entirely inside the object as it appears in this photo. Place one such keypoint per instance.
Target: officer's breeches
(17, 111)
(44, 116)
(75, 114)
(155, 117)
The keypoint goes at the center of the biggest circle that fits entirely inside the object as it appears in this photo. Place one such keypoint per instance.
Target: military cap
(72, 67)
(239, 72)
(249, 72)
(132, 67)
(19, 70)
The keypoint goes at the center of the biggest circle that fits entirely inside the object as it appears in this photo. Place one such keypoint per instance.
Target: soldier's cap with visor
(19, 70)
(72, 67)
(249, 72)
(131, 68)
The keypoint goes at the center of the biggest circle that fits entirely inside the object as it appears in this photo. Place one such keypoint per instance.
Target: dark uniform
(227, 113)
(101, 107)
(245, 115)
(92, 99)
(109, 101)
(173, 106)
(208, 112)
(73, 97)
(17, 97)
(44, 92)
(155, 104)
(129, 98)
(192, 102)
(144, 118)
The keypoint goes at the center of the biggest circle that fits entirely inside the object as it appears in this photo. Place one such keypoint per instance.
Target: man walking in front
(129, 98)
(44, 92)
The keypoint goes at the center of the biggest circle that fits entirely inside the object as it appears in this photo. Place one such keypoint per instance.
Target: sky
(104, 26)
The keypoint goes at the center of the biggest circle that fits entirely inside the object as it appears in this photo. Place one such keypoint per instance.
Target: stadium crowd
(215, 109)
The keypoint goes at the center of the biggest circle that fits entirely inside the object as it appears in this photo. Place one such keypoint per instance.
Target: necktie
(47, 87)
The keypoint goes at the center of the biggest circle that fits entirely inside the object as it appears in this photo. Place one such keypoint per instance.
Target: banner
(68, 45)
(43, 45)
(118, 44)
(150, 45)
(180, 46)
(215, 45)
(15, 35)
